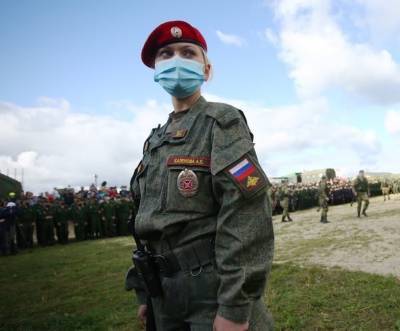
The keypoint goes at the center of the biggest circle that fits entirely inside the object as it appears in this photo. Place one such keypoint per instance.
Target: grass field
(81, 287)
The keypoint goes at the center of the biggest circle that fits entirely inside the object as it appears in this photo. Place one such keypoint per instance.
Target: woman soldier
(200, 199)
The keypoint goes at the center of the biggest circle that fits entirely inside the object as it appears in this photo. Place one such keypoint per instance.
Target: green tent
(7, 185)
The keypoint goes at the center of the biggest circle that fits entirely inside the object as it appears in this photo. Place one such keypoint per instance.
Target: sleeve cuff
(141, 297)
(237, 314)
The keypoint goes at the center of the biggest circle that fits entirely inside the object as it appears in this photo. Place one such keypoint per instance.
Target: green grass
(81, 287)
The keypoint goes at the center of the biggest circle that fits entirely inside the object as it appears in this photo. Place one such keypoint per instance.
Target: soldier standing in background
(48, 224)
(323, 198)
(396, 186)
(123, 211)
(79, 220)
(284, 195)
(61, 221)
(39, 217)
(385, 188)
(96, 229)
(29, 225)
(19, 227)
(361, 192)
(109, 217)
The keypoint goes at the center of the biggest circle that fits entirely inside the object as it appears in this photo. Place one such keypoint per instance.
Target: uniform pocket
(203, 292)
(189, 189)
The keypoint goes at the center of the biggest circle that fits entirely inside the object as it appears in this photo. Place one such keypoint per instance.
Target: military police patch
(247, 175)
(187, 183)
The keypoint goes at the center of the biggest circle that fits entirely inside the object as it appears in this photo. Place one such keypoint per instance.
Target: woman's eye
(165, 54)
(188, 53)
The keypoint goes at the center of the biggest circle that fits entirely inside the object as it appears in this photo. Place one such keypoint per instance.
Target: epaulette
(226, 115)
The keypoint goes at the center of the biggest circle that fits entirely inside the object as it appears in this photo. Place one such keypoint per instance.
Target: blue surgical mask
(179, 77)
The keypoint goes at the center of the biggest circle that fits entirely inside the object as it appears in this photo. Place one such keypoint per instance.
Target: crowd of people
(304, 196)
(61, 215)
(95, 213)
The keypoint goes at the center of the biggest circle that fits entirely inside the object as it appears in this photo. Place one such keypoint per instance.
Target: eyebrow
(168, 47)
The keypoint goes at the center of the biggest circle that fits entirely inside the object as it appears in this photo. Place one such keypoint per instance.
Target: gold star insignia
(252, 181)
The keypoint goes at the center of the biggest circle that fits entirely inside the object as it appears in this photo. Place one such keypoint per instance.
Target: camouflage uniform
(396, 187)
(40, 222)
(61, 216)
(361, 189)
(123, 210)
(48, 224)
(79, 221)
(284, 194)
(108, 212)
(385, 188)
(201, 200)
(323, 194)
(96, 229)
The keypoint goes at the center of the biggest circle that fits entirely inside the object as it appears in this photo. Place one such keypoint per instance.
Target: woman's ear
(207, 71)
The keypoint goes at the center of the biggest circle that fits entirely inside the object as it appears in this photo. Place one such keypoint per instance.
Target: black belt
(190, 258)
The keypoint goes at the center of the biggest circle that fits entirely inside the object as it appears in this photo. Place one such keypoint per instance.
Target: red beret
(168, 33)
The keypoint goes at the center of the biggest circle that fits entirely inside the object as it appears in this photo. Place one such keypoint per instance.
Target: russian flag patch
(247, 176)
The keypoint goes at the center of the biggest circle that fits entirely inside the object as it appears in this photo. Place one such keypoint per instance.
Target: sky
(318, 80)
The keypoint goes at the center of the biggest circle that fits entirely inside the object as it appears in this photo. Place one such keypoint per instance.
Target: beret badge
(176, 32)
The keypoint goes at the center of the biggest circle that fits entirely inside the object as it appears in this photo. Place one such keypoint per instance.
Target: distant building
(312, 176)
(381, 175)
(305, 177)
(292, 178)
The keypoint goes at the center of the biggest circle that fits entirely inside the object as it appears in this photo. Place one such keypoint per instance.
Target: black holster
(148, 271)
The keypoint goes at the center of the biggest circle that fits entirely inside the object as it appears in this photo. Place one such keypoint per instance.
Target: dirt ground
(370, 244)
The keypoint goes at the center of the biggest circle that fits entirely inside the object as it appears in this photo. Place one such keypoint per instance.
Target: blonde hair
(207, 62)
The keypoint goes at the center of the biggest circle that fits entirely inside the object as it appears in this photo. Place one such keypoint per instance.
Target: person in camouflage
(61, 217)
(29, 226)
(123, 210)
(48, 224)
(385, 188)
(108, 216)
(39, 224)
(396, 186)
(96, 230)
(323, 198)
(361, 192)
(201, 201)
(284, 195)
(79, 220)
(19, 227)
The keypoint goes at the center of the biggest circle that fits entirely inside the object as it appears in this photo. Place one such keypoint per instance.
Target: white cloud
(392, 122)
(57, 146)
(321, 56)
(297, 137)
(230, 39)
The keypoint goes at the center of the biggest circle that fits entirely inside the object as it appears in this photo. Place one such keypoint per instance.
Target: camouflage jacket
(323, 190)
(225, 198)
(360, 185)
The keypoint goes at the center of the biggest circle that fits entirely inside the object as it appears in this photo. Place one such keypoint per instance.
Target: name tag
(190, 161)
